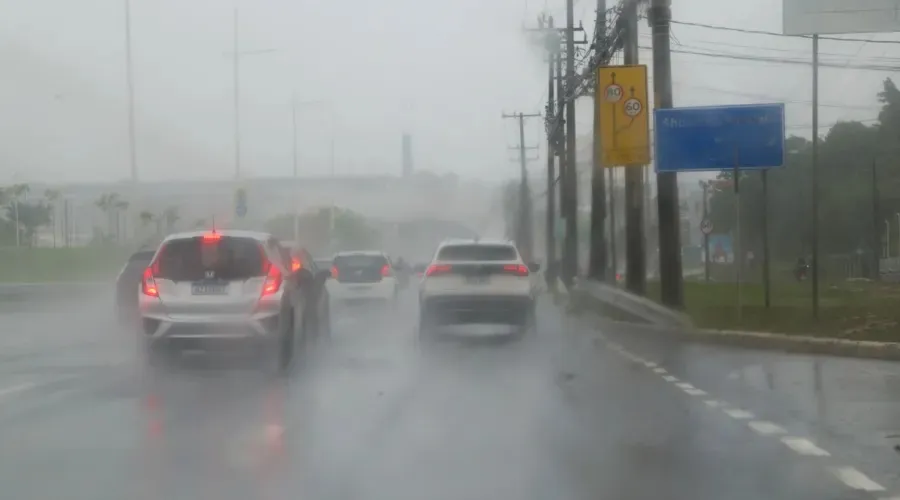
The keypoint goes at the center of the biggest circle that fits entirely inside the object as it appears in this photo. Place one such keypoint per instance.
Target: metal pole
(669, 219)
(571, 242)
(559, 132)
(636, 268)
(16, 209)
(767, 284)
(524, 205)
(876, 234)
(598, 257)
(706, 255)
(551, 153)
(613, 226)
(738, 251)
(815, 177)
(294, 142)
(130, 81)
(237, 105)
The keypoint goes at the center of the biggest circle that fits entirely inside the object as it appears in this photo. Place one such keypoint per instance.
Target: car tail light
(334, 272)
(517, 269)
(437, 269)
(385, 270)
(148, 284)
(273, 281)
(211, 237)
(295, 265)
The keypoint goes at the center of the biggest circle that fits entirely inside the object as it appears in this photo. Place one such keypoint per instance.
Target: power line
(773, 33)
(777, 60)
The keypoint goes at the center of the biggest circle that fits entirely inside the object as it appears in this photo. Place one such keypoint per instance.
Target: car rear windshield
(229, 258)
(359, 261)
(142, 256)
(477, 252)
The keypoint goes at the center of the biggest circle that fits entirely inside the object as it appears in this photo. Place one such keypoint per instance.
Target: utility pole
(132, 148)
(570, 251)
(524, 225)
(553, 55)
(669, 219)
(598, 257)
(237, 100)
(635, 262)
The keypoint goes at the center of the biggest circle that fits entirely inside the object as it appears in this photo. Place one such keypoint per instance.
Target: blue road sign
(719, 138)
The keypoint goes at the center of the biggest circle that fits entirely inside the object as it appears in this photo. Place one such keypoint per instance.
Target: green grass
(38, 265)
(856, 310)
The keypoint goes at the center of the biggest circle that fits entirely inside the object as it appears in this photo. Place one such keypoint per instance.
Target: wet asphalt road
(576, 410)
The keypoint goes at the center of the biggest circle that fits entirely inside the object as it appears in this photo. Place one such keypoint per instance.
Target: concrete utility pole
(598, 254)
(570, 251)
(132, 147)
(553, 55)
(524, 225)
(636, 255)
(670, 274)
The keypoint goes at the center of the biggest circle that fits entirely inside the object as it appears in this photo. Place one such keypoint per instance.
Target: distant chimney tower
(407, 155)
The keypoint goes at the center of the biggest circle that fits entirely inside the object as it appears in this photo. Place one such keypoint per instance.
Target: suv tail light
(334, 272)
(386, 270)
(295, 264)
(517, 269)
(273, 281)
(148, 284)
(438, 269)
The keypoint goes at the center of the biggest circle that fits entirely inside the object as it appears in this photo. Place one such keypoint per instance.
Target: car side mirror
(534, 267)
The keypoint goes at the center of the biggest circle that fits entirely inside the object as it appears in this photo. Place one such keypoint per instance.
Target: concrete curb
(799, 344)
(634, 305)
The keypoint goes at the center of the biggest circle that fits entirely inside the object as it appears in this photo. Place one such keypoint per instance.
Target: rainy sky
(363, 72)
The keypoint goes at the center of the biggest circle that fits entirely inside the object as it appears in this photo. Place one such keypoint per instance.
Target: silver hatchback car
(206, 289)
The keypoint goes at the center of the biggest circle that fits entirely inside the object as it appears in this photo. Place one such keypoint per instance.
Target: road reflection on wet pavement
(565, 413)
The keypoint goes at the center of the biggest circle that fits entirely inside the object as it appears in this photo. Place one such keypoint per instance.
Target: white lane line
(766, 428)
(738, 414)
(684, 385)
(696, 392)
(649, 364)
(8, 391)
(659, 370)
(669, 378)
(712, 403)
(856, 479)
(804, 446)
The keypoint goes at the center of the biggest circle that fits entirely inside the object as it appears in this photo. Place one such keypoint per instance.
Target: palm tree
(19, 191)
(52, 196)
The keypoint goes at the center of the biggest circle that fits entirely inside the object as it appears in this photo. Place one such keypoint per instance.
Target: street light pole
(130, 82)
(237, 101)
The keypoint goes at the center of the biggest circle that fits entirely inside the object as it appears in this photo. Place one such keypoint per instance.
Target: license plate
(360, 288)
(476, 280)
(204, 289)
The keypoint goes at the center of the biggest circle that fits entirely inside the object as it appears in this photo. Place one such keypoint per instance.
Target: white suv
(476, 281)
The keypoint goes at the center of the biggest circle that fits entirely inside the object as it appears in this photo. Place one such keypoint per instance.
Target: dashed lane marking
(660, 370)
(712, 403)
(765, 428)
(856, 479)
(9, 391)
(696, 392)
(669, 378)
(738, 414)
(804, 446)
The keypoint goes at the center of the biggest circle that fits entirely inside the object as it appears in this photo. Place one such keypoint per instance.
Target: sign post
(711, 138)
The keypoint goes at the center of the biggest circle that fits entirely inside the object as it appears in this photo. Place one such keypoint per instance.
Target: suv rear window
(477, 252)
(367, 261)
(230, 258)
(142, 256)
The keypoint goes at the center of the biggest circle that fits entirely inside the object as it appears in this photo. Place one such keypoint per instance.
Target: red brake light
(436, 269)
(334, 272)
(273, 281)
(386, 270)
(295, 265)
(517, 269)
(148, 284)
(211, 237)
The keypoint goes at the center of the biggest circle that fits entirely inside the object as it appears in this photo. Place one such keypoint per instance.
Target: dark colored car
(129, 282)
(301, 259)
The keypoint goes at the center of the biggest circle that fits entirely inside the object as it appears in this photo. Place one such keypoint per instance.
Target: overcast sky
(443, 71)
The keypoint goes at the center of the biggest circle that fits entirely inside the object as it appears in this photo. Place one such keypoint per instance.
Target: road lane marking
(16, 388)
(649, 364)
(712, 403)
(856, 479)
(684, 385)
(804, 446)
(738, 414)
(696, 392)
(766, 428)
(659, 370)
(669, 378)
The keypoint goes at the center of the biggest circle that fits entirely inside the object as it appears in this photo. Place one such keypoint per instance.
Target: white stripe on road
(766, 428)
(669, 378)
(650, 364)
(738, 414)
(712, 403)
(856, 479)
(16, 388)
(804, 446)
(696, 392)
(684, 385)
(659, 370)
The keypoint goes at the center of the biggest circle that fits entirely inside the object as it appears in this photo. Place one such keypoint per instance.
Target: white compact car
(477, 281)
(362, 276)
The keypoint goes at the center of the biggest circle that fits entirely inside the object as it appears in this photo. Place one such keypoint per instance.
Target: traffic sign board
(719, 138)
(706, 226)
(624, 130)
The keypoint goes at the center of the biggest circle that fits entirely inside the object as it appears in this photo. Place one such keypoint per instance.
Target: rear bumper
(256, 327)
(352, 292)
(462, 309)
